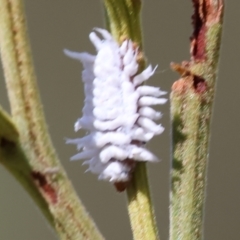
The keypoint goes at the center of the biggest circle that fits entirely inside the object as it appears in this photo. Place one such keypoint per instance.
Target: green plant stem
(123, 20)
(191, 109)
(12, 157)
(140, 207)
(70, 218)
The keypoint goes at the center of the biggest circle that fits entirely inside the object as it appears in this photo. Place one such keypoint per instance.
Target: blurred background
(55, 25)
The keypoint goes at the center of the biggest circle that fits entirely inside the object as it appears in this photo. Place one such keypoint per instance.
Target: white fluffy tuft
(117, 113)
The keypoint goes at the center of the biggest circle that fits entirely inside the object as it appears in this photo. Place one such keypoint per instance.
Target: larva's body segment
(116, 113)
(112, 152)
(148, 101)
(149, 113)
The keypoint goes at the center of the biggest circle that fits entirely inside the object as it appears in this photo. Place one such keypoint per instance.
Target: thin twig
(191, 109)
(123, 19)
(140, 206)
(12, 157)
(69, 216)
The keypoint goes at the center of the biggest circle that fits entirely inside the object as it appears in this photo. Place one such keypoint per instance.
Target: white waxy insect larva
(95, 165)
(145, 137)
(147, 101)
(114, 101)
(116, 113)
(85, 122)
(123, 48)
(142, 154)
(99, 140)
(106, 114)
(106, 35)
(143, 76)
(149, 91)
(76, 142)
(130, 56)
(99, 92)
(131, 69)
(131, 96)
(87, 77)
(97, 42)
(149, 113)
(84, 57)
(116, 138)
(150, 125)
(77, 126)
(85, 154)
(111, 152)
(88, 89)
(130, 109)
(115, 171)
(114, 124)
(72, 141)
(86, 141)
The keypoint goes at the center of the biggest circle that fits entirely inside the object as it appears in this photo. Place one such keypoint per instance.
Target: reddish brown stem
(191, 107)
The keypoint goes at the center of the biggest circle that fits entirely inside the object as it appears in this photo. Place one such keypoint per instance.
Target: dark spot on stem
(6, 144)
(198, 50)
(177, 171)
(177, 164)
(45, 186)
(199, 84)
(177, 134)
(178, 138)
